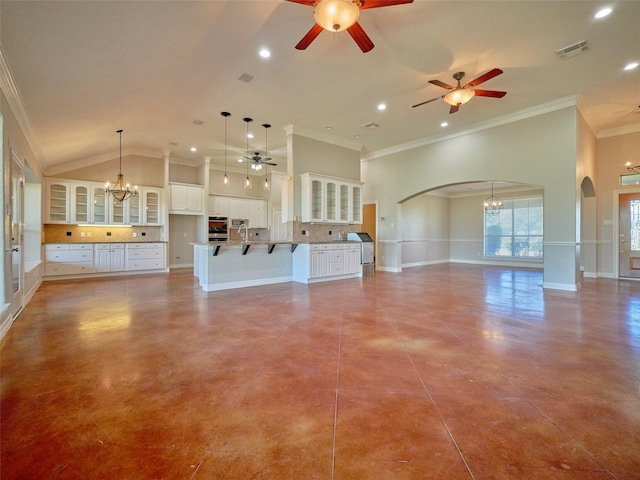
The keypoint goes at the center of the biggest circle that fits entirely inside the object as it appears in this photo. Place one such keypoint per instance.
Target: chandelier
(492, 204)
(120, 190)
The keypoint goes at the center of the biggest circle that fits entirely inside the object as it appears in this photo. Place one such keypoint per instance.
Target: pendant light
(120, 190)
(247, 180)
(266, 185)
(225, 179)
(492, 204)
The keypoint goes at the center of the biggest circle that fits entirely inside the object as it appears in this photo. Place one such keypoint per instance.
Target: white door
(629, 235)
(17, 235)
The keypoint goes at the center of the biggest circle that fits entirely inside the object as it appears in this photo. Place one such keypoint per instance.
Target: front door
(17, 235)
(629, 241)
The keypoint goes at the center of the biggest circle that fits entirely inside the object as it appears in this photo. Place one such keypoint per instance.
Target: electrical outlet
(81, 234)
(135, 234)
(88, 234)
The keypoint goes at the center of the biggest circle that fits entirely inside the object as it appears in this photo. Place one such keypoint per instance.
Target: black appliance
(218, 229)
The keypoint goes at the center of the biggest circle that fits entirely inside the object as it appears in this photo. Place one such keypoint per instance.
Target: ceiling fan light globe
(336, 15)
(459, 96)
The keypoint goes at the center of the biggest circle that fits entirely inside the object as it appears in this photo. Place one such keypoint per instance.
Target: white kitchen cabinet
(330, 200)
(145, 256)
(68, 259)
(325, 261)
(186, 199)
(106, 210)
(219, 205)
(151, 206)
(80, 203)
(109, 257)
(258, 217)
(58, 197)
(239, 208)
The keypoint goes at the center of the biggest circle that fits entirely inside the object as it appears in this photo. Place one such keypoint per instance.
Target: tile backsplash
(58, 233)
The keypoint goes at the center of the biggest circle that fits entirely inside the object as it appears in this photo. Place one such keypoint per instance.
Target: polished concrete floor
(441, 372)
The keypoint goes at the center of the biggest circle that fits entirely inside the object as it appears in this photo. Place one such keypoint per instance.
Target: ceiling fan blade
(454, 108)
(441, 84)
(360, 37)
(309, 37)
(483, 78)
(303, 2)
(270, 163)
(379, 3)
(490, 93)
(428, 101)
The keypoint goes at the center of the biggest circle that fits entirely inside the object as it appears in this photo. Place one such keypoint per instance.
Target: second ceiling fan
(459, 95)
(339, 15)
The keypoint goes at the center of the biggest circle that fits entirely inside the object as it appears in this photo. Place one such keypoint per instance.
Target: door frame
(17, 296)
(616, 229)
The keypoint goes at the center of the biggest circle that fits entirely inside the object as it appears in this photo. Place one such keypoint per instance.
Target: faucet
(244, 237)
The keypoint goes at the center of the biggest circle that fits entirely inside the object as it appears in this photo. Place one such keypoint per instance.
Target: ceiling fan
(459, 95)
(339, 15)
(256, 159)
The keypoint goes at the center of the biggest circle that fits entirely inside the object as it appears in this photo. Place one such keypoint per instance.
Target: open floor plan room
(444, 372)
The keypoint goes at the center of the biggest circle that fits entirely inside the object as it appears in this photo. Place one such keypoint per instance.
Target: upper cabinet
(76, 202)
(330, 200)
(186, 199)
(58, 199)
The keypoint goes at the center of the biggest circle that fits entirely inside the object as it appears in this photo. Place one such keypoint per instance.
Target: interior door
(629, 235)
(369, 222)
(17, 235)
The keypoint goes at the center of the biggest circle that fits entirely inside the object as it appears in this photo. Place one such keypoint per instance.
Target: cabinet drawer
(337, 246)
(337, 256)
(336, 268)
(145, 253)
(145, 264)
(69, 256)
(140, 246)
(81, 246)
(51, 247)
(109, 246)
(76, 268)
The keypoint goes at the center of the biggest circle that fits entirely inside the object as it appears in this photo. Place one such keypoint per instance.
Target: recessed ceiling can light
(249, 135)
(603, 12)
(328, 128)
(631, 66)
(382, 107)
(264, 53)
(193, 149)
(444, 124)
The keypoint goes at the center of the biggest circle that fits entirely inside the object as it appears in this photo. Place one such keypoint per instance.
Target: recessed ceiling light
(193, 149)
(444, 124)
(328, 128)
(356, 136)
(264, 53)
(239, 160)
(250, 135)
(382, 106)
(603, 12)
(631, 66)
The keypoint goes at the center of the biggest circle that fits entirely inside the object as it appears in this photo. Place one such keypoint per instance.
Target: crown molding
(614, 132)
(570, 101)
(12, 94)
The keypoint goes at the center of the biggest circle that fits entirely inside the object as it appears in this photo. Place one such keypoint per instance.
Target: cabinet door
(194, 199)
(58, 197)
(344, 195)
(80, 203)
(103, 261)
(178, 197)
(356, 204)
(331, 201)
(151, 206)
(117, 260)
(116, 211)
(134, 210)
(99, 200)
(220, 206)
(312, 201)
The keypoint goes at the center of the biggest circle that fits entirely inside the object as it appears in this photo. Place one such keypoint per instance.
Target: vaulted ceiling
(163, 72)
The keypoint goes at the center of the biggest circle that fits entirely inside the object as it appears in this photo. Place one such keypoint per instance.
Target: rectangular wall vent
(246, 78)
(370, 125)
(573, 50)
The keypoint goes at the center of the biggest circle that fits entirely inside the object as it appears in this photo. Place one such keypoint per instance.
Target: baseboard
(181, 265)
(5, 320)
(422, 264)
(245, 283)
(388, 269)
(567, 287)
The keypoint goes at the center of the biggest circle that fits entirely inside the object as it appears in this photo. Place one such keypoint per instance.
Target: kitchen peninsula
(227, 265)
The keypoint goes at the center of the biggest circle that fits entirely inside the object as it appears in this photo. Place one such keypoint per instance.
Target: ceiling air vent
(246, 78)
(370, 125)
(573, 50)
(198, 122)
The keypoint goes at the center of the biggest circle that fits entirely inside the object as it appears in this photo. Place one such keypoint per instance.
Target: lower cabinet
(80, 259)
(325, 261)
(68, 259)
(109, 257)
(145, 256)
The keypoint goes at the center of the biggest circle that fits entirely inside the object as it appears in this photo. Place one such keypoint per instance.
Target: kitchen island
(226, 265)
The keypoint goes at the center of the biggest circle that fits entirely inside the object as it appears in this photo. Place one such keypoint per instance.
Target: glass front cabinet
(330, 200)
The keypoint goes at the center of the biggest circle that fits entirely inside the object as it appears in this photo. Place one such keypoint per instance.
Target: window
(516, 230)
(630, 179)
(634, 207)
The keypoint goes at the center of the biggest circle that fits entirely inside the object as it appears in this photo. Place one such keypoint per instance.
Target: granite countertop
(89, 241)
(237, 243)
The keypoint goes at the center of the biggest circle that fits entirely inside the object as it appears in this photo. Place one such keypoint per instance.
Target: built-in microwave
(236, 222)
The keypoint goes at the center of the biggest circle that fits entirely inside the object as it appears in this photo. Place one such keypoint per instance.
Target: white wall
(425, 230)
(538, 151)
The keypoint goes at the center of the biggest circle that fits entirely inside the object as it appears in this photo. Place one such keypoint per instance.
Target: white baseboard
(245, 283)
(181, 265)
(567, 287)
(5, 320)
(422, 264)
(388, 269)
